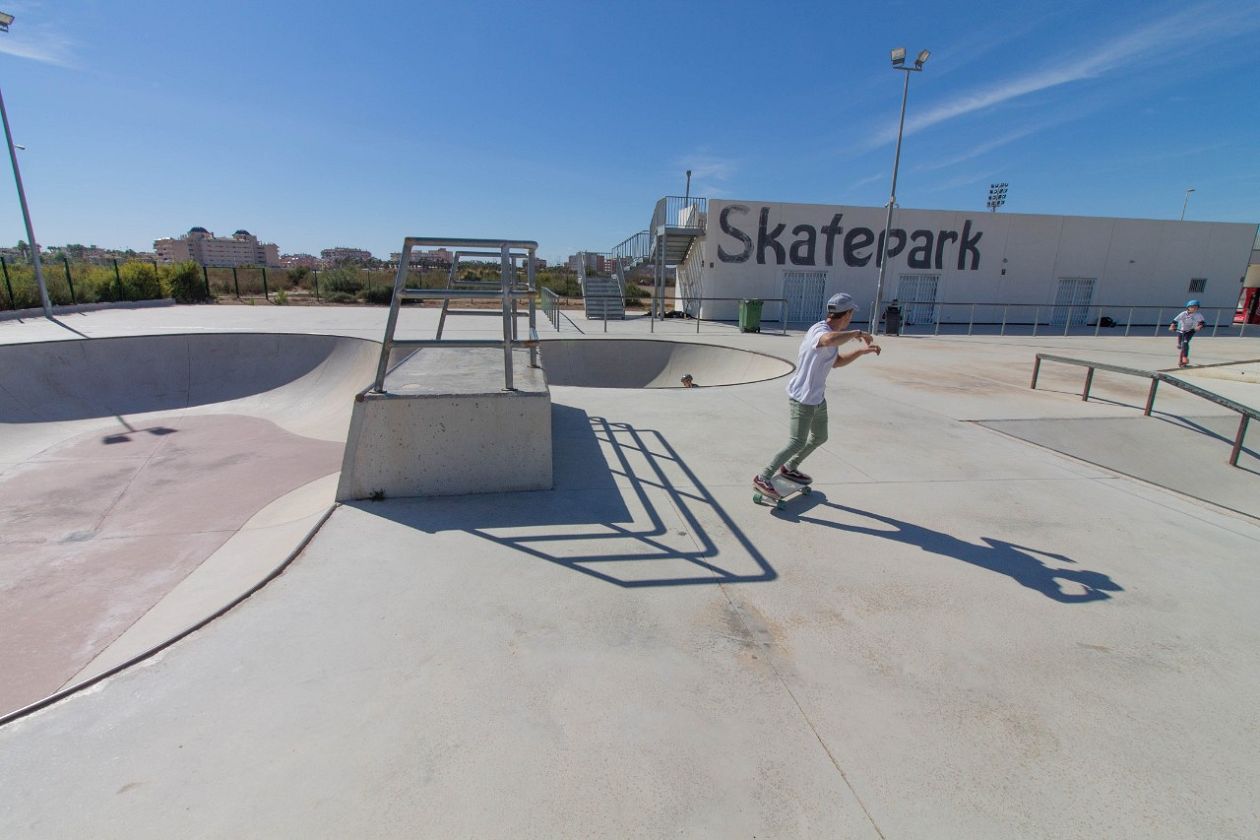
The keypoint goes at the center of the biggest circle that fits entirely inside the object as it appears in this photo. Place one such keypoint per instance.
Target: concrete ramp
(613, 363)
(135, 473)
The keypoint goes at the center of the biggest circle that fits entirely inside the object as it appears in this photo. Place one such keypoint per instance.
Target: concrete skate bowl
(149, 481)
(621, 363)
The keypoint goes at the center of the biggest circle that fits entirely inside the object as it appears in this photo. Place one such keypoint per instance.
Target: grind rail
(1246, 412)
(508, 290)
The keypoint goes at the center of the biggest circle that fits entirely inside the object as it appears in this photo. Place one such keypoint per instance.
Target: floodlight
(898, 56)
(5, 20)
(922, 58)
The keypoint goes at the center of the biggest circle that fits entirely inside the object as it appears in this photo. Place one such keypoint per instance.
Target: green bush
(345, 278)
(339, 297)
(280, 298)
(139, 281)
(185, 283)
(378, 295)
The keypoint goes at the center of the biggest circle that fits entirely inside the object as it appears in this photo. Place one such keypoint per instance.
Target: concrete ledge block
(423, 437)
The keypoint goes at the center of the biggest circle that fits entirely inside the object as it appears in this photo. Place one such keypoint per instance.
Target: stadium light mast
(898, 57)
(1184, 203)
(997, 196)
(5, 20)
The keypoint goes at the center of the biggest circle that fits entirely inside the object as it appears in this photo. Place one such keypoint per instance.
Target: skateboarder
(807, 404)
(1186, 324)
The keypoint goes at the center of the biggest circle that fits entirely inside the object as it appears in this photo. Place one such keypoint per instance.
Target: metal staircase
(603, 295)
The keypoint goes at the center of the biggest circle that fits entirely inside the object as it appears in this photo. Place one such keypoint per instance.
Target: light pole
(899, 63)
(5, 20)
(1184, 203)
(687, 197)
(997, 196)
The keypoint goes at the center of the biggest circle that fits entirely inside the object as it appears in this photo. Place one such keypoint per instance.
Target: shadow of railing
(626, 509)
(1015, 561)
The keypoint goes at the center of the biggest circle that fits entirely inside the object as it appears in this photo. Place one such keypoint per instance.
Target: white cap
(841, 303)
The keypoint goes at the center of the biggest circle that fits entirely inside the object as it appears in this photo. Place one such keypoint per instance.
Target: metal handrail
(1246, 413)
(551, 307)
(1061, 319)
(669, 210)
(635, 249)
(507, 291)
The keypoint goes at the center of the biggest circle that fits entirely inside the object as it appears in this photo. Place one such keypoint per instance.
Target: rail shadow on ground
(626, 509)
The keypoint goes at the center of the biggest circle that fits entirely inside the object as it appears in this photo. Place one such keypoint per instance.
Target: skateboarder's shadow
(1016, 561)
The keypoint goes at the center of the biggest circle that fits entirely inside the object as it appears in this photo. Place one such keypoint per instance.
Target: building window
(1198, 284)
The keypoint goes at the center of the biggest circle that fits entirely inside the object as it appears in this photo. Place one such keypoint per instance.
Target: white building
(203, 247)
(952, 266)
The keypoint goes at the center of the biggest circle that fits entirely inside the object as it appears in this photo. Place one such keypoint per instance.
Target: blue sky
(316, 124)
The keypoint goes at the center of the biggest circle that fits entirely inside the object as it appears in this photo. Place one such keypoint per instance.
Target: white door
(1071, 304)
(804, 291)
(916, 293)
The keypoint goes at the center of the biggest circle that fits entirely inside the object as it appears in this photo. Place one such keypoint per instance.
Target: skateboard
(787, 489)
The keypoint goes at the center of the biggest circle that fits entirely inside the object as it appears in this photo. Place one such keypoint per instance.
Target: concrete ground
(961, 633)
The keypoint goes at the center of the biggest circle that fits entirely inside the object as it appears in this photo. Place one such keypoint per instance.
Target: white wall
(1007, 258)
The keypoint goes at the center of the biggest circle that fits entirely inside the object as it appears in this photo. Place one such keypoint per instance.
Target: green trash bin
(750, 315)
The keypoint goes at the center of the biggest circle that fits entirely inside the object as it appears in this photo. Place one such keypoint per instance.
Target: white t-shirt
(1188, 321)
(808, 384)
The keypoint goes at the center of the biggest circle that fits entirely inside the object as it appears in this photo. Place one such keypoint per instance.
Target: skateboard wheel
(757, 498)
(779, 505)
(805, 491)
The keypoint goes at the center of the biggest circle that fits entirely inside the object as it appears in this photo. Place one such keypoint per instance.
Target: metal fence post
(1128, 323)
(1159, 316)
(266, 296)
(315, 281)
(1005, 307)
(1150, 396)
(8, 285)
(1098, 322)
(972, 323)
(1216, 325)
(70, 280)
(1036, 370)
(1036, 318)
(236, 283)
(1089, 380)
(205, 275)
(118, 280)
(1238, 440)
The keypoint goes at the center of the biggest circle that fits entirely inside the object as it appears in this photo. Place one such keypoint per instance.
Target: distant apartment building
(437, 258)
(301, 261)
(203, 247)
(595, 263)
(332, 256)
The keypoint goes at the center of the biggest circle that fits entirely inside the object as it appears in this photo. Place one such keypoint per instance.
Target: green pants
(807, 430)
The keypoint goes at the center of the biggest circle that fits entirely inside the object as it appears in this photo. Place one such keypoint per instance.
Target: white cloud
(35, 37)
(707, 169)
(1167, 37)
(981, 149)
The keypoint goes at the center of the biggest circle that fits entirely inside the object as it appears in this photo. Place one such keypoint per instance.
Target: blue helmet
(1191, 303)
